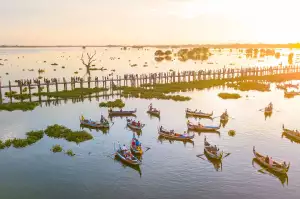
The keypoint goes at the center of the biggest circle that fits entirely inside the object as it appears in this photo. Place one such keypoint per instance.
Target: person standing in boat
(150, 107)
(267, 159)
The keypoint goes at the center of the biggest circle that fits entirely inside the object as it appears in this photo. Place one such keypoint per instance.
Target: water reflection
(267, 115)
(161, 139)
(290, 138)
(283, 178)
(103, 130)
(215, 162)
(125, 165)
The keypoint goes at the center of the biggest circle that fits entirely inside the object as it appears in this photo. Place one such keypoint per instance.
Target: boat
(212, 151)
(127, 157)
(153, 111)
(269, 109)
(197, 113)
(134, 125)
(172, 135)
(283, 178)
(120, 112)
(277, 167)
(134, 148)
(224, 117)
(294, 134)
(200, 127)
(103, 123)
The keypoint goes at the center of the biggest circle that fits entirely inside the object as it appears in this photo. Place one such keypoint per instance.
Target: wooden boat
(197, 113)
(269, 109)
(283, 178)
(212, 151)
(136, 149)
(134, 125)
(154, 112)
(129, 159)
(293, 134)
(224, 117)
(94, 124)
(277, 167)
(172, 135)
(199, 127)
(121, 112)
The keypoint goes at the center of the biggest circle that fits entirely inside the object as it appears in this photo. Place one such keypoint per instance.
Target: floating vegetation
(231, 133)
(113, 104)
(56, 148)
(6, 73)
(40, 77)
(70, 153)
(144, 93)
(58, 131)
(77, 92)
(229, 95)
(23, 106)
(63, 67)
(54, 64)
(76, 72)
(32, 137)
(248, 86)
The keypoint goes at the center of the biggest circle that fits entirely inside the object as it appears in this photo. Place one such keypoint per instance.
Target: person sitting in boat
(124, 148)
(137, 142)
(133, 143)
(150, 107)
(172, 132)
(226, 112)
(188, 122)
(133, 122)
(138, 124)
(284, 164)
(267, 159)
(185, 134)
(121, 110)
(82, 118)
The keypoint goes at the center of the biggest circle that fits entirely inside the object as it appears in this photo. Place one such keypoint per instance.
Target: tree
(89, 63)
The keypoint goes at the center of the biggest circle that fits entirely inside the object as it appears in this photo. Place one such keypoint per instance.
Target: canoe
(94, 124)
(276, 166)
(197, 114)
(175, 136)
(197, 127)
(224, 118)
(111, 112)
(128, 160)
(212, 151)
(154, 112)
(293, 134)
(134, 127)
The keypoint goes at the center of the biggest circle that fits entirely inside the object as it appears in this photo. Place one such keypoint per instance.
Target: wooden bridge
(151, 78)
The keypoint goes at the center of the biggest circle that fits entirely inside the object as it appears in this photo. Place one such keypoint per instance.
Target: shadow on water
(224, 123)
(267, 115)
(153, 116)
(161, 139)
(216, 163)
(290, 138)
(103, 130)
(283, 178)
(125, 165)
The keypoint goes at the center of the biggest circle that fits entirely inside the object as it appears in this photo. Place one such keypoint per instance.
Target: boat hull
(94, 124)
(261, 159)
(204, 128)
(156, 113)
(198, 114)
(128, 161)
(181, 137)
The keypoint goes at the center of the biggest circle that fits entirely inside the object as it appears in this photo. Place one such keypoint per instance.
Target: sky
(153, 22)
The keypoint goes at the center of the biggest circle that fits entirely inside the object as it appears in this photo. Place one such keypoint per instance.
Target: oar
(200, 156)
(147, 149)
(226, 154)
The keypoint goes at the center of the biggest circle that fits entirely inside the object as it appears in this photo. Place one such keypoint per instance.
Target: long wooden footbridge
(151, 78)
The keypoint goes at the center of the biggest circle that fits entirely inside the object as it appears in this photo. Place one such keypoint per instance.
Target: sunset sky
(101, 22)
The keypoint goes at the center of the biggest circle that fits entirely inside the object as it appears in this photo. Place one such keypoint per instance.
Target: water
(169, 169)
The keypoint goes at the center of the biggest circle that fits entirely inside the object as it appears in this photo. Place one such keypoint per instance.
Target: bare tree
(89, 63)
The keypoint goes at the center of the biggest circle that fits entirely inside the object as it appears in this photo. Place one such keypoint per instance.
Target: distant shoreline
(296, 45)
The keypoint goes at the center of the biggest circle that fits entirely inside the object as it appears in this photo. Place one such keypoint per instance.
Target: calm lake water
(169, 169)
